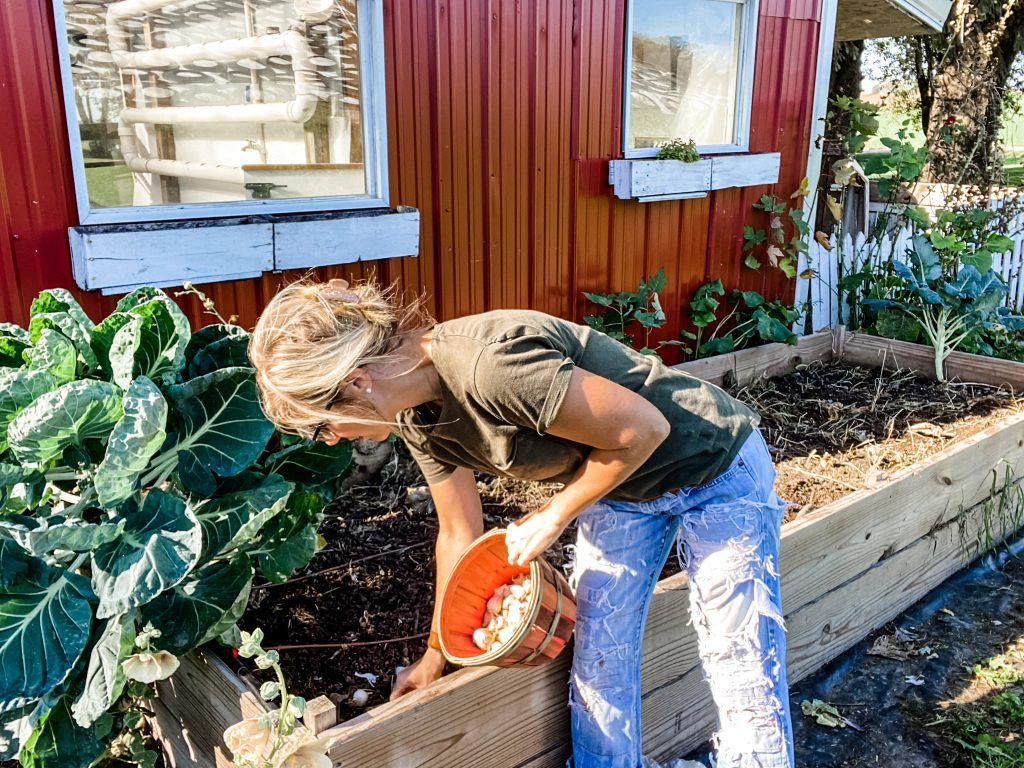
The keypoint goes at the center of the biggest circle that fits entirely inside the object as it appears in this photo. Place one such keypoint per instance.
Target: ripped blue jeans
(728, 540)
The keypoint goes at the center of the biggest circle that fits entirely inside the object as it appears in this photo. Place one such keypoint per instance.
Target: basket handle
(554, 621)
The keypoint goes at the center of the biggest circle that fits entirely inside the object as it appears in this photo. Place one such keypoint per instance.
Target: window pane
(684, 71)
(208, 101)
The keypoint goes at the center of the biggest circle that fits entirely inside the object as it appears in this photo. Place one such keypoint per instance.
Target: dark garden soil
(367, 596)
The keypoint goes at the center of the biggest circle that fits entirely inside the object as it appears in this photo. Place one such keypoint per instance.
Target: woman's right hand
(419, 674)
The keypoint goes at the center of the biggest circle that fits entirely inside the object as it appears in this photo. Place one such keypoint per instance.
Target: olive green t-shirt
(503, 376)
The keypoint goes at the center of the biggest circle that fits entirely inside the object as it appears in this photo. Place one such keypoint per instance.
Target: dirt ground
(363, 606)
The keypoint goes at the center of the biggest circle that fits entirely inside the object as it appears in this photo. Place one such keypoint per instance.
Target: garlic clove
(482, 639)
(494, 604)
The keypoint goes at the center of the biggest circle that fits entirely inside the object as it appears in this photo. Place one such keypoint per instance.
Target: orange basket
(546, 625)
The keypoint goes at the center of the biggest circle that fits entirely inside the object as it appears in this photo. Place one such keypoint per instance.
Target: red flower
(950, 119)
(234, 652)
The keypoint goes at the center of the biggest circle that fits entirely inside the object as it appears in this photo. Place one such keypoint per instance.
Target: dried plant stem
(826, 478)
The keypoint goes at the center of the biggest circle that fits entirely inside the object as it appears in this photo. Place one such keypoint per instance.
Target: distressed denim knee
(619, 555)
(730, 539)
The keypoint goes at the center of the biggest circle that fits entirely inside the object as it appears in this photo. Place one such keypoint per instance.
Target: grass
(109, 186)
(988, 730)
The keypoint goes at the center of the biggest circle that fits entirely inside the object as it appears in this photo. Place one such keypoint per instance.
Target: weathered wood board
(847, 568)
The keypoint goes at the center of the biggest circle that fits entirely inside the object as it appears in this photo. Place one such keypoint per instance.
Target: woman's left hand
(529, 537)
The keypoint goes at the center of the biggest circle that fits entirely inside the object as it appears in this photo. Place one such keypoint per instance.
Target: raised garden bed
(847, 568)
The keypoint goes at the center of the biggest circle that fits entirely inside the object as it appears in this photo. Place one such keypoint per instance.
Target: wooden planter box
(653, 180)
(847, 569)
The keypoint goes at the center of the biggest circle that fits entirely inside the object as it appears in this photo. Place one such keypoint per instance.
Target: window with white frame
(689, 73)
(184, 109)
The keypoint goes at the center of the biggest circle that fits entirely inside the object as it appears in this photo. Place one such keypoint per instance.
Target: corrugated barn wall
(502, 116)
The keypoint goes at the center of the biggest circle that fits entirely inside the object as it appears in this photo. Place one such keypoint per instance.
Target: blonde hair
(312, 336)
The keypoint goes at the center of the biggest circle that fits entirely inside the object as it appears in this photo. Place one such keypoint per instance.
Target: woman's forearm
(601, 472)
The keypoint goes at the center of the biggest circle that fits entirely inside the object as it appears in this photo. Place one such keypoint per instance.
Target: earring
(369, 390)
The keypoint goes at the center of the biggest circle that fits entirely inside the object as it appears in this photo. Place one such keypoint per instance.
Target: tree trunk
(845, 81)
(981, 42)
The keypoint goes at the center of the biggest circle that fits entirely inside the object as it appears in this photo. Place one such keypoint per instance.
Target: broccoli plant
(141, 487)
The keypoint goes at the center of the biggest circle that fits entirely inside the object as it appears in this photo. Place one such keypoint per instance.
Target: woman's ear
(361, 380)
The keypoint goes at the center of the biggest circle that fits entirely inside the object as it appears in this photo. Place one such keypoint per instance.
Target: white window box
(115, 258)
(653, 180)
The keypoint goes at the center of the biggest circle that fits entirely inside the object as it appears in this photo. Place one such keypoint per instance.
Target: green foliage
(947, 297)
(986, 730)
(861, 120)
(752, 320)
(267, 740)
(773, 244)
(677, 149)
(140, 484)
(628, 308)
(902, 163)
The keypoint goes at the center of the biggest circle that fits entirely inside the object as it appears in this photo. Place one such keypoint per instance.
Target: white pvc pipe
(290, 43)
(308, 89)
(298, 110)
(184, 168)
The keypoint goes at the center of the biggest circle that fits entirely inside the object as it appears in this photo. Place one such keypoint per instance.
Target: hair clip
(337, 290)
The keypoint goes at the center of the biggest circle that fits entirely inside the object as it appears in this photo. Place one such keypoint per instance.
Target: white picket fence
(854, 251)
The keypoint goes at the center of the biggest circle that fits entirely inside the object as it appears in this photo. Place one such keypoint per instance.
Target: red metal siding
(502, 115)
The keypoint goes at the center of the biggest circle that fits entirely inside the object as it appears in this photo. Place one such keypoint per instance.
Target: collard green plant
(945, 303)
(141, 487)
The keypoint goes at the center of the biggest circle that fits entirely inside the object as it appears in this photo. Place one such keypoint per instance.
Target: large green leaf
(45, 620)
(42, 536)
(10, 476)
(102, 338)
(104, 679)
(64, 323)
(151, 344)
(18, 388)
(289, 540)
(159, 546)
(894, 323)
(138, 297)
(54, 352)
(15, 563)
(223, 429)
(13, 341)
(67, 416)
(214, 347)
(311, 464)
(58, 741)
(16, 723)
(24, 494)
(60, 300)
(771, 329)
(232, 520)
(212, 598)
(136, 437)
